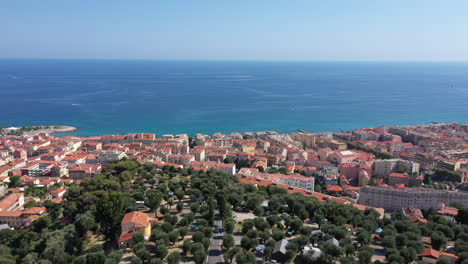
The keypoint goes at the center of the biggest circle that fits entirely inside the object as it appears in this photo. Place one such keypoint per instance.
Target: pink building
(350, 170)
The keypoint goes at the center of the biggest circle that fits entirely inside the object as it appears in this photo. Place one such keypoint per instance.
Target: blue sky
(415, 30)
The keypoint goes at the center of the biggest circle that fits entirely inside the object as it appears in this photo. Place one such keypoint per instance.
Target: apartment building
(107, 156)
(12, 202)
(3, 189)
(199, 154)
(393, 199)
(425, 160)
(227, 168)
(333, 144)
(382, 168)
(292, 180)
(21, 218)
(183, 159)
(403, 178)
(350, 170)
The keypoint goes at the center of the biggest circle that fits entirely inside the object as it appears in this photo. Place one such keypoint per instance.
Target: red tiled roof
(9, 200)
(140, 219)
(361, 207)
(448, 211)
(59, 190)
(57, 200)
(349, 165)
(351, 188)
(222, 165)
(450, 255)
(334, 188)
(31, 218)
(429, 252)
(11, 213)
(416, 219)
(321, 197)
(125, 237)
(35, 210)
(398, 175)
(67, 181)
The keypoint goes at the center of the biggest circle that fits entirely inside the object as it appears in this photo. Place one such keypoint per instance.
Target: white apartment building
(107, 156)
(382, 168)
(227, 168)
(393, 199)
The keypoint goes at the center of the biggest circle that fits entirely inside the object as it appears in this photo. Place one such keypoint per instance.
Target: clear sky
(416, 30)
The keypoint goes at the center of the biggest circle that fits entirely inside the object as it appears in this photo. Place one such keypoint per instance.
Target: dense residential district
(394, 194)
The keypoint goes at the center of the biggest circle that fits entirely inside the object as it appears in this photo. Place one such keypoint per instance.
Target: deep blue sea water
(120, 96)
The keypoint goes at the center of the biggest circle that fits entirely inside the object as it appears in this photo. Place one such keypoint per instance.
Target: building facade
(382, 168)
(393, 199)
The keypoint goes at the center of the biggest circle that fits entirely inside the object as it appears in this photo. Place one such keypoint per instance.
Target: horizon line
(234, 60)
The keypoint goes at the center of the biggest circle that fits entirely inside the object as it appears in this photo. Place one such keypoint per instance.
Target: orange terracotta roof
(59, 190)
(140, 219)
(9, 200)
(35, 210)
(416, 219)
(398, 175)
(334, 188)
(446, 254)
(125, 237)
(351, 188)
(449, 211)
(57, 200)
(361, 207)
(31, 218)
(11, 213)
(429, 252)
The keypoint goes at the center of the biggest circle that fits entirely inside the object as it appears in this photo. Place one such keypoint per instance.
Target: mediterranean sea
(121, 96)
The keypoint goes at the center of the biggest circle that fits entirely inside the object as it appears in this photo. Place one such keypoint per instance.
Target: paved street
(215, 254)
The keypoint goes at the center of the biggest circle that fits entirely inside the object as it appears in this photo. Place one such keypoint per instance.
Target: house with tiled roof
(448, 212)
(416, 219)
(430, 255)
(227, 168)
(334, 189)
(126, 240)
(67, 181)
(21, 218)
(38, 167)
(362, 208)
(134, 222)
(11, 218)
(35, 211)
(161, 164)
(408, 212)
(57, 193)
(57, 200)
(29, 180)
(12, 202)
(84, 170)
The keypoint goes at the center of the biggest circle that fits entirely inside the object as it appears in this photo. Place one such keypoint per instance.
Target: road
(215, 253)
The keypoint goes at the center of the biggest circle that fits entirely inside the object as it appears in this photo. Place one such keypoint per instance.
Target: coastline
(52, 129)
(85, 133)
